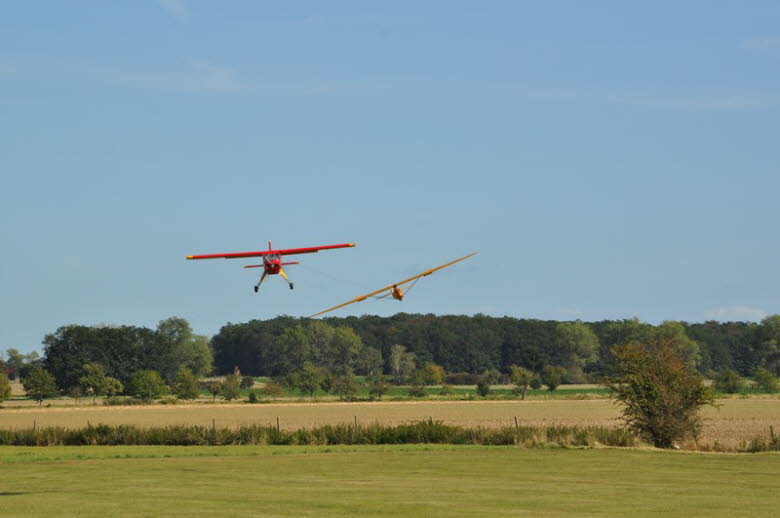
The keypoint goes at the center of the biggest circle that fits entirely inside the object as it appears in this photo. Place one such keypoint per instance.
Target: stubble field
(733, 421)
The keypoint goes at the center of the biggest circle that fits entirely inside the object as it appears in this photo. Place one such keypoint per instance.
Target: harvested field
(734, 421)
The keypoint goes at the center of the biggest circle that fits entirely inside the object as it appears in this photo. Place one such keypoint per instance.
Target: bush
(483, 388)
(535, 383)
(253, 397)
(552, 376)
(273, 390)
(185, 386)
(417, 391)
(432, 374)
(345, 386)
(147, 385)
(660, 392)
(230, 388)
(729, 382)
(378, 388)
(247, 382)
(446, 390)
(39, 384)
(764, 379)
(461, 378)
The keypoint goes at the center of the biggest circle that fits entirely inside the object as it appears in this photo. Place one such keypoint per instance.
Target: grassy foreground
(409, 480)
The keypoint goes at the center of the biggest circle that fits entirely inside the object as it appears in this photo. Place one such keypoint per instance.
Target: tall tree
(577, 344)
(402, 364)
(39, 384)
(147, 385)
(309, 379)
(660, 391)
(185, 386)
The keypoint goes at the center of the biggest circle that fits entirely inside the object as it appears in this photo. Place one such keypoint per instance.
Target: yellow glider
(394, 290)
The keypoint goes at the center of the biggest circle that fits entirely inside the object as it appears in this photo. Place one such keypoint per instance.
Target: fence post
(277, 424)
(517, 425)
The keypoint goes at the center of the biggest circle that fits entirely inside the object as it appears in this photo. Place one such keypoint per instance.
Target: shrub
(483, 388)
(345, 386)
(417, 391)
(273, 390)
(432, 374)
(147, 385)
(39, 384)
(185, 386)
(247, 382)
(461, 378)
(378, 388)
(660, 392)
(729, 382)
(230, 388)
(521, 378)
(764, 379)
(253, 397)
(491, 376)
(446, 390)
(552, 376)
(535, 383)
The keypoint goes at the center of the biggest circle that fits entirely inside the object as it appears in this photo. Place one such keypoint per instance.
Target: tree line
(404, 349)
(474, 344)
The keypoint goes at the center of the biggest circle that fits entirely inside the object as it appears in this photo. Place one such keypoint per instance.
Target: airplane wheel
(255, 289)
(291, 285)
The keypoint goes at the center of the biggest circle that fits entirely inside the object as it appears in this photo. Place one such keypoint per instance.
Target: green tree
(674, 333)
(94, 380)
(577, 343)
(247, 382)
(185, 386)
(369, 361)
(181, 347)
(521, 377)
(491, 376)
(729, 382)
(231, 386)
(552, 376)
(342, 352)
(213, 388)
(112, 387)
(402, 364)
(344, 386)
(378, 388)
(309, 379)
(5, 387)
(273, 390)
(660, 391)
(432, 374)
(147, 385)
(39, 384)
(483, 387)
(765, 380)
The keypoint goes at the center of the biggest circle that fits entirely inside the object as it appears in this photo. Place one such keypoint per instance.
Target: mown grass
(422, 480)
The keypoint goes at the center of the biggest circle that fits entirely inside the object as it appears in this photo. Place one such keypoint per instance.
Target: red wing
(311, 250)
(291, 251)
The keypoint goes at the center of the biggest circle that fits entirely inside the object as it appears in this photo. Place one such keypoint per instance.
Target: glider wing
(386, 288)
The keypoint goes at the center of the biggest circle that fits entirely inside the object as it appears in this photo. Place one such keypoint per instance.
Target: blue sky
(607, 159)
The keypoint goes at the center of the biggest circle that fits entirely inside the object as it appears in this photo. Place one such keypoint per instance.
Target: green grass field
(416, 480)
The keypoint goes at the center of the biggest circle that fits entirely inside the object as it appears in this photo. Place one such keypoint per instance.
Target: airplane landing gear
(291, 285)
(256, 288)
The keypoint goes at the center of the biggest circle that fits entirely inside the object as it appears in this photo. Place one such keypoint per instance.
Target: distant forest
(477, 343)
(398, 345)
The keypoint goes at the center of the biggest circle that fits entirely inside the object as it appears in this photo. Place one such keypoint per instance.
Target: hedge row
(432, 432)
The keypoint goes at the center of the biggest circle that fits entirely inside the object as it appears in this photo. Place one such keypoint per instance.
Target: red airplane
(272, 259)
